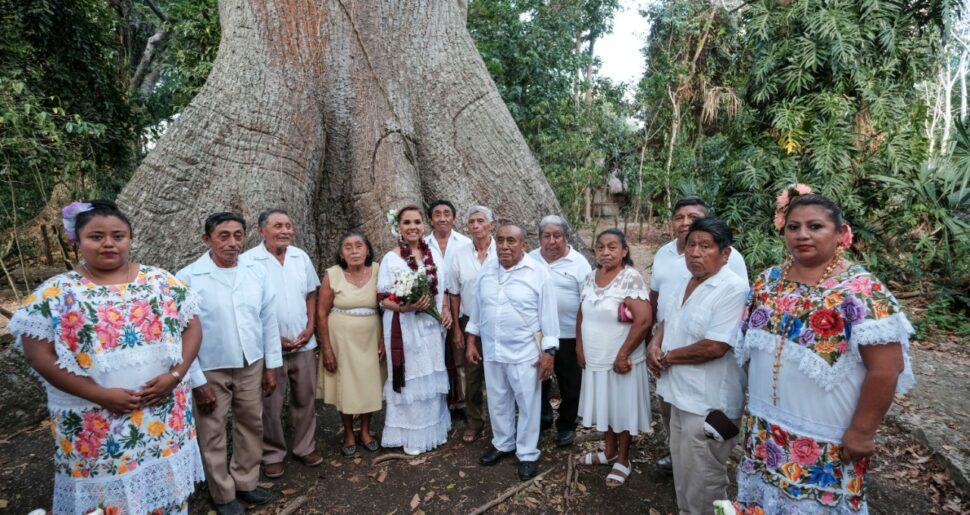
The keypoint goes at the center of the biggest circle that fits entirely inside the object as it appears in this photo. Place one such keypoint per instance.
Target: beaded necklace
(776, 316)
(429, 267)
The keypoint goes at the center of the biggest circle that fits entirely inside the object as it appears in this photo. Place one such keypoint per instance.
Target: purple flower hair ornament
(69, 217)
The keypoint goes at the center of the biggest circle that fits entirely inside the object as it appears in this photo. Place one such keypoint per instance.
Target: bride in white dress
(416, 416)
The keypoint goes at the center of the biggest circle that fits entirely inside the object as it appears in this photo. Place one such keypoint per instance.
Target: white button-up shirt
(569, 275)
(293, 280)
(669, 266)
(456, 240)
(712, 312)
(238, 320)
(510, 306)
(463, 268)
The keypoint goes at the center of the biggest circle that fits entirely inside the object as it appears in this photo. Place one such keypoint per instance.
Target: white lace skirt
(618, 401)
(418, 417)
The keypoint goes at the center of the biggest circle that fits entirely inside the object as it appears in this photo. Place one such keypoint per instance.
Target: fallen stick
(510, 492)
(569, 476)
(388, 457)
(293, 505)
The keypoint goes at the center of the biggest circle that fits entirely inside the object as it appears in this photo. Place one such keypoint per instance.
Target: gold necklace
(776, 316)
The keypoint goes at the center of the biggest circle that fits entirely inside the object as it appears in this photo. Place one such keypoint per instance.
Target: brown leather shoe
(273, 470)
(311, 460)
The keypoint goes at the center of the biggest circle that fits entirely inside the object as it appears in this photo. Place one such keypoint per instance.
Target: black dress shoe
(528, 470)
(230, 508)
(666, 463)
(255, 496)
(565, 438)
(493, 456)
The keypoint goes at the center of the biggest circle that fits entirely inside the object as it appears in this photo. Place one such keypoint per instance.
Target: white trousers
(511, 385)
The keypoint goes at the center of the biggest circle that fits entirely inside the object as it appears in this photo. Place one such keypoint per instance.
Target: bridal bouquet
(410, 286)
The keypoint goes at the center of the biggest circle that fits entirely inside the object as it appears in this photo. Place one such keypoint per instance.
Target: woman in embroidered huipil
(112, 341)
(416, 416)
(827, 348)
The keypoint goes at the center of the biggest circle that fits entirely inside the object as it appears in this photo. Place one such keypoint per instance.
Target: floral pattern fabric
(821, 329)
(119, 336)
(802, 467)
(819, 320)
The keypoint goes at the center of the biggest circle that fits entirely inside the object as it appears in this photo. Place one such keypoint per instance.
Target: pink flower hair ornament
(69, 217)
(846, 236)
(781, 203)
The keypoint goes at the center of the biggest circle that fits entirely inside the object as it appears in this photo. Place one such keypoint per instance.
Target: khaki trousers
(700, 463)
(238, 390)
(474, 386)
(299, 371)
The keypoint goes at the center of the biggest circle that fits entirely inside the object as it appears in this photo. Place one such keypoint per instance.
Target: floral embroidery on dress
(820, 321)
(94, 442)
(802, 467)
(140, 462)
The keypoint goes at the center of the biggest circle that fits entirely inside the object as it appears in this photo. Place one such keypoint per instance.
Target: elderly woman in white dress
(614, 317)
(416, 416)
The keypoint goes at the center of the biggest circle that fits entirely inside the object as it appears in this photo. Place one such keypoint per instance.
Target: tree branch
(147, 58)
(156, 10)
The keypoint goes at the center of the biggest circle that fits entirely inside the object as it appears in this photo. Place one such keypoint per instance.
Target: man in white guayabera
(669, 265)
(237, 361)
(295, 279)
(463, 265)
(515, 315)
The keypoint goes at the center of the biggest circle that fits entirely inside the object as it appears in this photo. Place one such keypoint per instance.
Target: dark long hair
(814, 199)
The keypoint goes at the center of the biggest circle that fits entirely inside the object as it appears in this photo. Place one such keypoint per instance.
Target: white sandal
(595, 458)
(618, 475)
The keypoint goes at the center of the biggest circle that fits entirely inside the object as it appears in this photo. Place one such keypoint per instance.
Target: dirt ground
(904, 478)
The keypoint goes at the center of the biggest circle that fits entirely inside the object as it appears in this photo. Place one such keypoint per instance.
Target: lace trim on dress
(161, 483)
(752, 489)
(42, 328)
(628, 283)
(419, 388)
(795, 424)
(189, 309)
(889, 329)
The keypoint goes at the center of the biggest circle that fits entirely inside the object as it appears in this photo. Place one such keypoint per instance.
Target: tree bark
(336, 111)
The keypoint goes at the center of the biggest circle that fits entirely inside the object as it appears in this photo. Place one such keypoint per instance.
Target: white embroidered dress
(792, 445)
(607, 399)
(416, 418)
(120, 336)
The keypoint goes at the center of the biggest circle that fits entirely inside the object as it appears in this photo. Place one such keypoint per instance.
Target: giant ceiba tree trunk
(336, 111)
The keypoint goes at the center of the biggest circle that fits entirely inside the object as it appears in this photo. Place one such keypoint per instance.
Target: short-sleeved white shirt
(712, 312)
(510, 306)
(455, 240)
(569, 274)
(462, 271)
(669, 266)
(294, 280)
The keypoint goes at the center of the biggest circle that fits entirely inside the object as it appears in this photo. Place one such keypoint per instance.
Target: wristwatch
(550, 351)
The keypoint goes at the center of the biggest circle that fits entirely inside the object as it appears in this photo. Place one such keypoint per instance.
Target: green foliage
(829, 95)
(539, 55)
(64, 111)
(190, 50)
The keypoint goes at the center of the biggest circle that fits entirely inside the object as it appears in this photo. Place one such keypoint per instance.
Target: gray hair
(556, 220)
(489, 216)
(266, 213)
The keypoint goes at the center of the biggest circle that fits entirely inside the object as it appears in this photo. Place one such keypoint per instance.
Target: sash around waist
(355, 312)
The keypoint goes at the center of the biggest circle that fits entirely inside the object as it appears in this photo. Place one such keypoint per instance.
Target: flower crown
(797, 190)
(392, 221)
(69, 217)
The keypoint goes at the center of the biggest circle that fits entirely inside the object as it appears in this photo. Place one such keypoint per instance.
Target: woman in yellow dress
(351, 340)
